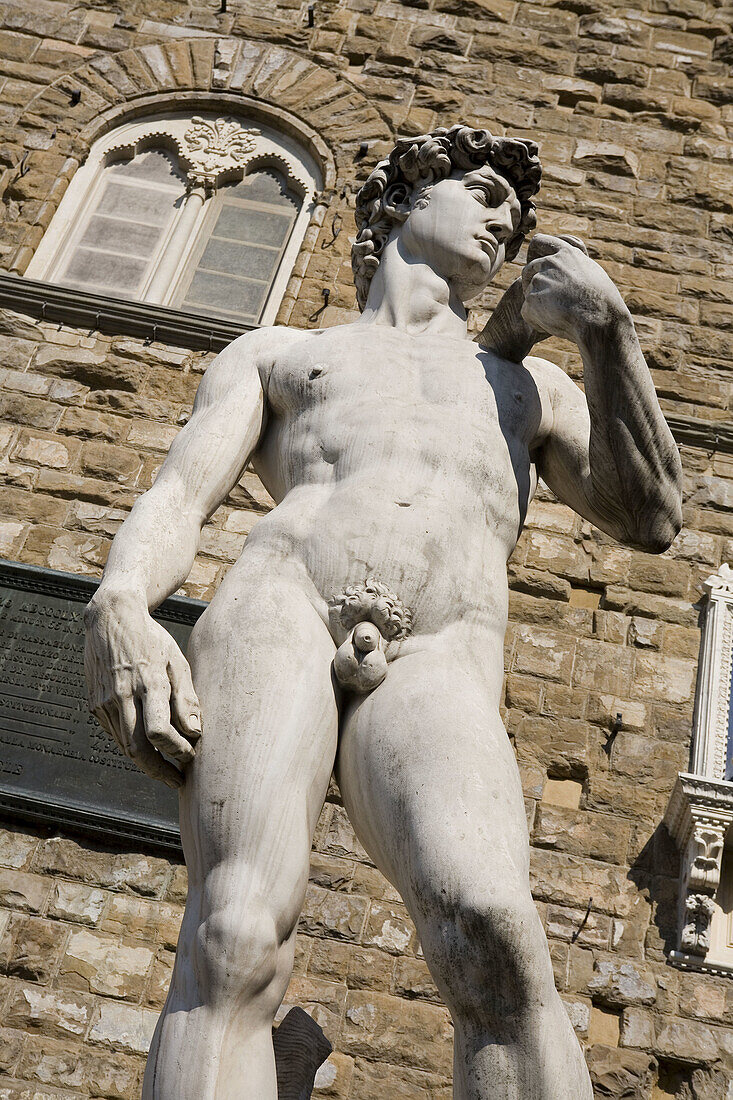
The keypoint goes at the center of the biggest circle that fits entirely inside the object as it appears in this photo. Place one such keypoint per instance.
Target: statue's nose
(501, 224)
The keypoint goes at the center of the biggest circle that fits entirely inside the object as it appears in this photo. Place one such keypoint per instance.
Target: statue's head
(460, 199)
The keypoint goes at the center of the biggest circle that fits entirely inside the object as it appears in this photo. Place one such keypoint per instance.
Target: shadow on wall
(655, 873)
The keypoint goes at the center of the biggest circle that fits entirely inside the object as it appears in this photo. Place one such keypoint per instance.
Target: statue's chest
(387, 381)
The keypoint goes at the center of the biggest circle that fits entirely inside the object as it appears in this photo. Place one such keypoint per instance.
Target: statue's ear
(397, 201)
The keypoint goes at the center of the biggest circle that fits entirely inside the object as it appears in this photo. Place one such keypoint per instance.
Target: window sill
(700, 965)
(116, 316)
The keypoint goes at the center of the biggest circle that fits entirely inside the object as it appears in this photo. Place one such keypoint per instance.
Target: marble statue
(362, 626)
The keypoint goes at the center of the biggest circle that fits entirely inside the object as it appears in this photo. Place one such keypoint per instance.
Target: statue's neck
(406, 293)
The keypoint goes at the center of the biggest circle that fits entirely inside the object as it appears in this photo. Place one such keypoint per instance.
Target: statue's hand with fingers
(140, 687)
(566, 293)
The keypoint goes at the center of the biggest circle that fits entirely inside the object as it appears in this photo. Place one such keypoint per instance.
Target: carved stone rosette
(211, 147)
(698, 816)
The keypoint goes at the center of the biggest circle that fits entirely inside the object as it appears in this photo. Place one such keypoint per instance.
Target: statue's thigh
(261, 660)
(430, 781)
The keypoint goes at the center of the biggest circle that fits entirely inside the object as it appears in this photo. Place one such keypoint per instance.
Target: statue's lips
(488, 245)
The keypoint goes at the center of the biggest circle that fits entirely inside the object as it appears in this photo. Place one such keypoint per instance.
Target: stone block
(159, 979)
(543, 653)
(376, 1080)
(559, 746)
(556, 553)
(606, 156)
(334, 1077)
(581, 833)
(645, 633)
(687, 1041)
(110, 463)
(389, 1029)
(390, 928)
(708, 999)
(340, 838)
(11, 1046)
(603, 1027)
(564, 880)
(177, 891)
(52, 1063)
(618, 982)
(73, 902)
(329, 914)
(133, 873)
(152, 921)
(35, 949)
(22, 891)
(602, 667)
(578, 1011)
(637, 1028)
(323, 1001)
(114, 1076)
(619, 1074)
(669, 679)
(16, 849)
(581, 926)
(89, 424)
(562, 792)
(56, 1013)
(97, 963)
(662, 575)
(370, 968)
(331, 873)
(124, 1027)
(34, 412)
(413, 979)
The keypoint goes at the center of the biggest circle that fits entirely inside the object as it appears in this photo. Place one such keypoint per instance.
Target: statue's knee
(237, 951)
(487, 952)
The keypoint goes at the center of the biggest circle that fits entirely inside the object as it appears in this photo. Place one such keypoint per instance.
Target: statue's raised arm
(610, 455)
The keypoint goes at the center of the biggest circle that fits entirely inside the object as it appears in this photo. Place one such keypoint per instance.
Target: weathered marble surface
(402, 455)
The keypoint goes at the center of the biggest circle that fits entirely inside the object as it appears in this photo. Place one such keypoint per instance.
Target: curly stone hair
(381, 203)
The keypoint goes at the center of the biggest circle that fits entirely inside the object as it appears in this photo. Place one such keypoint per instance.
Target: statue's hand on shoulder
(140, 687)
(566, 293)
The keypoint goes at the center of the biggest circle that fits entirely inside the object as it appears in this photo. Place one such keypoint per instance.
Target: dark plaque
(57, 765)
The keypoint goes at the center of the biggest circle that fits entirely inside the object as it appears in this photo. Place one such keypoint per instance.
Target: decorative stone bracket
(698, 816)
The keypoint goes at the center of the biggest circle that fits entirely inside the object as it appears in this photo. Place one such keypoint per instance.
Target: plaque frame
(90, 821)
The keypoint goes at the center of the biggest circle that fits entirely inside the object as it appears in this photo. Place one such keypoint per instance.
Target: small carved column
(180, 240)
(209, 150)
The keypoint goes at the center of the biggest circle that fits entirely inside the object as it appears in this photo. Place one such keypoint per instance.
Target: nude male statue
(362, 627)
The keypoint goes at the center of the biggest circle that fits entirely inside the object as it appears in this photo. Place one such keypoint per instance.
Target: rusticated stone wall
(633, 107)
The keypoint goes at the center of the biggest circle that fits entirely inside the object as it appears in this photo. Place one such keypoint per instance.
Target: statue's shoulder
(268, 339)
(548, 377)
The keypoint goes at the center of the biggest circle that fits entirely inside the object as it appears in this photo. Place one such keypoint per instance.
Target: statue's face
(460, 227)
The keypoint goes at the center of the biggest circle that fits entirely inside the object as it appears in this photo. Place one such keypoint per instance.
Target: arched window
(202, 213)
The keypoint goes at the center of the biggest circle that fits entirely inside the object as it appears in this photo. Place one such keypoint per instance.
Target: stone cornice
(116, 316)
(697, 797)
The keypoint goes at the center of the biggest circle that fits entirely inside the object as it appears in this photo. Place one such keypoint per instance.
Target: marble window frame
(699, 814)
(213, 149)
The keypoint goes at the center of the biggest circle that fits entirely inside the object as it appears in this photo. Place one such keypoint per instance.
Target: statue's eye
(484, 193)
